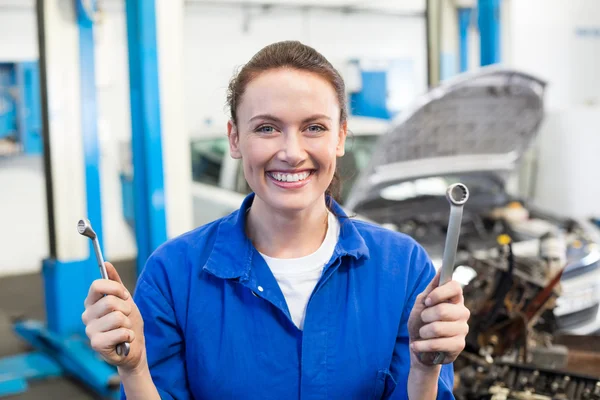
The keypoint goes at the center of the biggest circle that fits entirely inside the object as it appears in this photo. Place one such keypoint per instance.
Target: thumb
(113, 275)
(434, 283)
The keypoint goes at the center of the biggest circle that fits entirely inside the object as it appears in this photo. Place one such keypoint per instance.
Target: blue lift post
(60, 346)
(148, 180)
(464, 22)
(488, 20)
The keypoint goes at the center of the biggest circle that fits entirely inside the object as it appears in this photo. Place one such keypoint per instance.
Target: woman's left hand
(438, 323)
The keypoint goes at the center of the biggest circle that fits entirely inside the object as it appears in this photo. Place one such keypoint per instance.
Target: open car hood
(475, 122)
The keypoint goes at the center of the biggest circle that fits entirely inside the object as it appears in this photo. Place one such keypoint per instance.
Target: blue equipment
(488, 12)
(20, 116)
(61, 346)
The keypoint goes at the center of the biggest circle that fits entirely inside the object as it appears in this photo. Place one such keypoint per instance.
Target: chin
(293, 201)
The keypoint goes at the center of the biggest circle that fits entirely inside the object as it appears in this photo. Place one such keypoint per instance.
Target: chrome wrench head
(457, 194)
(84, 227)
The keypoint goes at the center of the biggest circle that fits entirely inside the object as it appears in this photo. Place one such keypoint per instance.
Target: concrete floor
(22, 297)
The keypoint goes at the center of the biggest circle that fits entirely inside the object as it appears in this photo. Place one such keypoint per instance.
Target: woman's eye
(316, 129)
(265, 129)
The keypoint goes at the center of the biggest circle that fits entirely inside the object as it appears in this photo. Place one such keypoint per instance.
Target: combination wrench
(457, 195)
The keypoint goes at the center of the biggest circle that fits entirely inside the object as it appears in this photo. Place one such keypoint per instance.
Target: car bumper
(578, 308)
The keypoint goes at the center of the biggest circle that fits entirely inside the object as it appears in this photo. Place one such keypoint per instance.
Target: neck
(284, 234)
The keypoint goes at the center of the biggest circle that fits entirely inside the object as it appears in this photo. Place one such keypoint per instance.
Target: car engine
(510, 263)
(509, 352)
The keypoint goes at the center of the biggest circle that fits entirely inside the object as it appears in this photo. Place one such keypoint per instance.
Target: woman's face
(288, 136)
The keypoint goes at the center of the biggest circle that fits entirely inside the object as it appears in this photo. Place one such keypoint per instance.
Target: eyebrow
(273, 118)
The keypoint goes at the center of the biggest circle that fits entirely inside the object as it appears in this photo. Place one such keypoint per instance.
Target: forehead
(289, 93)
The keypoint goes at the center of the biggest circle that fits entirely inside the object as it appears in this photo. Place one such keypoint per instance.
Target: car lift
(60, 346)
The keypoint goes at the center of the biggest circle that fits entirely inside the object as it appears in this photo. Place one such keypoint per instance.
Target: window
(359, 149)
(207, 159)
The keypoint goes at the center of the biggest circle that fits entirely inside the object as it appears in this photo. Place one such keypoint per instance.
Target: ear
(340, 149)
(234, 140)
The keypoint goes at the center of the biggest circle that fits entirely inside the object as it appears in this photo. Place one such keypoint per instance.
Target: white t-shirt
(297, 277)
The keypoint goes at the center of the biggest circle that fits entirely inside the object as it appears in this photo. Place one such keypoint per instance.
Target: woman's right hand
(113, 319)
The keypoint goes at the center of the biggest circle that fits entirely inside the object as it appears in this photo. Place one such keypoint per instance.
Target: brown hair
(294, 55)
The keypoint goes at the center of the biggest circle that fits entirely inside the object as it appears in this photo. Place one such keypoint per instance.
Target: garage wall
(560, 42)
(18, 34)
(217, 39)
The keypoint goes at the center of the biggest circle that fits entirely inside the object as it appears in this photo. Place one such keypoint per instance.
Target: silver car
(474, 129)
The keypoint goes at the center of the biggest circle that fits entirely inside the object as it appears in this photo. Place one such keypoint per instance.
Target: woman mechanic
(286, 297)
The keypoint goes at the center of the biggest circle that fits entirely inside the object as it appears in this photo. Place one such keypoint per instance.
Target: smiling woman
(286, 297)
(286, 89)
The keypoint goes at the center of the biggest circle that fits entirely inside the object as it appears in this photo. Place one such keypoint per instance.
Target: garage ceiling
(394, 6)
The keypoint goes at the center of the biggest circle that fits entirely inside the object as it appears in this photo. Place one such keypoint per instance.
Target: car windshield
(207, 159)
(359, 149)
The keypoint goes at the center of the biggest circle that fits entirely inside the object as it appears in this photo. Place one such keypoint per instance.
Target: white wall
(176, 140)
(23, 221)
(569, 178)
(544, 41)
(18, 34)
(114, 129)
(449, 51)
(23, 216)
(216, 40)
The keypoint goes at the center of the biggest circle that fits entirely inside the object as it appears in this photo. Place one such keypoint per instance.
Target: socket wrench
(457, 195)
(84, 227)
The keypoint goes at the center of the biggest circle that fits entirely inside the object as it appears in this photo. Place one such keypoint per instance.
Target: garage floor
(22, 296)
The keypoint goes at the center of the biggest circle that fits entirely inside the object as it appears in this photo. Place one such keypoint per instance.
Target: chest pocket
(384, 385)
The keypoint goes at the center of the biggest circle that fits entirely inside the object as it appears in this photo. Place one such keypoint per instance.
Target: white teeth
(290, 177)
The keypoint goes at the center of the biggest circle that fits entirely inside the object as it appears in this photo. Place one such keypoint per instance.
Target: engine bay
(510, 261)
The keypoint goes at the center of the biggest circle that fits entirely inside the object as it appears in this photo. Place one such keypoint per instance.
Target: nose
(292, 150)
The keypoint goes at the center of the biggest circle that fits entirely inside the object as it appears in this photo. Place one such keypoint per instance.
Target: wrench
(457, 195)
(84, 227)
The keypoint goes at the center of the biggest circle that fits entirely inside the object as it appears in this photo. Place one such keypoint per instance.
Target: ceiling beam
(343, 8)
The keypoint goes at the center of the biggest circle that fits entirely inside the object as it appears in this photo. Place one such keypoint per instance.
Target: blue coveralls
(217, 325)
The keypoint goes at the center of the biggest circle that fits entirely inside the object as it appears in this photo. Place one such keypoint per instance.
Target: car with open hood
(475, 129)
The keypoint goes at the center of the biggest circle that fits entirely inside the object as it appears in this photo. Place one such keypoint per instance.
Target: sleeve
(400, 365)
(164, 339)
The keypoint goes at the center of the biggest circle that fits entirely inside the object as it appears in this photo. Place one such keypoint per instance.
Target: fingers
(107, 341)
(441, 329)
(112, 321)
(105, 306)
(101, 287)
(113, 275)
(434, 283)
(445, 312)
(450, 345)
(449, 292)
